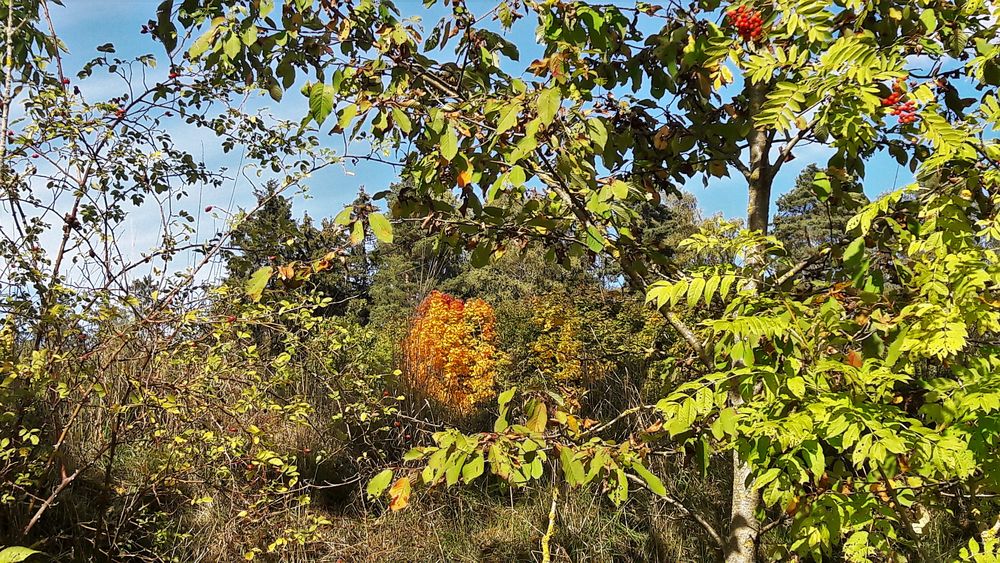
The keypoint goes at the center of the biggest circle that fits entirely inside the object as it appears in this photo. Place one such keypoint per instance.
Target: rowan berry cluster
(905, 111)
(748, 22)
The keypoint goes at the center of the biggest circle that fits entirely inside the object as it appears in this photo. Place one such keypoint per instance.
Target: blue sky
(84, 25)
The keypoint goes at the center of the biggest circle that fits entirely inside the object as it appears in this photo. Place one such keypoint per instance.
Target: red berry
(385, 393)
(35, 155)
(173, 75)
(230, 319)
(396, 424)
(408, 437)
(65, 80)
(208, 209)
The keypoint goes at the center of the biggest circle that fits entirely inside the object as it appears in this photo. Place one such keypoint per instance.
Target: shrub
(449, 354)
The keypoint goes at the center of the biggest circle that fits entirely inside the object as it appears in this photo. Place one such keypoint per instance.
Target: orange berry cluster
(449, 353)
(906, 111)
(747, 21)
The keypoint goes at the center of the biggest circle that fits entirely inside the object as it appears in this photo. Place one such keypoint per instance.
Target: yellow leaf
(400, 493)
(464, 178)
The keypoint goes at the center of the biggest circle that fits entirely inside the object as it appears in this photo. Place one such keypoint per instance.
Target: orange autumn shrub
(449, 353)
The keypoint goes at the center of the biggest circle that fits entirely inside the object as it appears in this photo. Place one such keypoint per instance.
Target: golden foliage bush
(449, 353)
(561, 348)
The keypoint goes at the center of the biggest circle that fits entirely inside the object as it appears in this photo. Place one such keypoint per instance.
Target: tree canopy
(837, 360)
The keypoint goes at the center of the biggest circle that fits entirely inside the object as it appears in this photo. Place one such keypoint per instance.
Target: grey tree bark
(741, 545)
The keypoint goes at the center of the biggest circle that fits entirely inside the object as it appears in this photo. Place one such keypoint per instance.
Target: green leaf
(16, 554)
(402, 120)
(506, 396)
(257, 282)
(481, 255)
(508, 117)
(201, 44)
(929, 19)
(595, 240)
(454, 468)
(413, 454)
(814, 456)
(473, 469)
(572, 468)
(449, 144)
(232, 45)
(821, 186)
(896, 348)
(598, 132)
(381, 227)
(516, 176)
(727, 418)
(696, 287)
(504, 401)
(854, 252)
(652, 481)
(797, 386)
(347, 116)
(320, 101)
(548, 104)
(357, 233)
(379, 483)
(684, 418)
(619, 492)
(344, 217)
(768, 476)
(619, 189)
(703, 454)
(166, 32)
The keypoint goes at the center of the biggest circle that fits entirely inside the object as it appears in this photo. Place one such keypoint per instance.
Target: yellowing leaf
(378, 483)
(539, 416)
(257, 282)
(400, 493)
(357, 233)
(381, 227)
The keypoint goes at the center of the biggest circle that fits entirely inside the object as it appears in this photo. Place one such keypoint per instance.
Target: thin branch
(679, 506)
(805, 263)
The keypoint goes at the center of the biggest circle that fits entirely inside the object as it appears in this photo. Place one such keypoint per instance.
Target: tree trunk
(741, 546)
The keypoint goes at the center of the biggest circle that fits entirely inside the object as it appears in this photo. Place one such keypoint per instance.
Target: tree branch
(805, 263)
(679, 506)
(688, 335)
